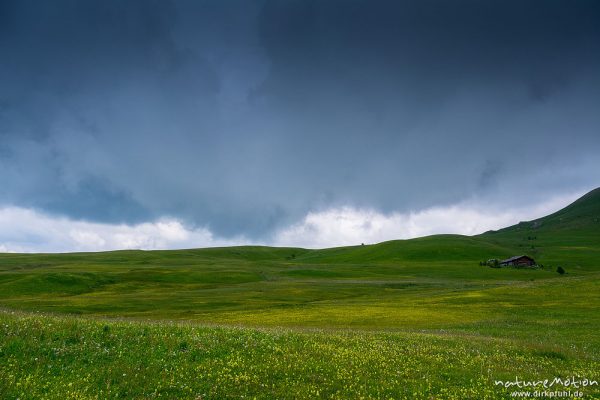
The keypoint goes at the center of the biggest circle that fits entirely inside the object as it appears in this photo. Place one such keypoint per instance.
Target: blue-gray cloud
(244, 115)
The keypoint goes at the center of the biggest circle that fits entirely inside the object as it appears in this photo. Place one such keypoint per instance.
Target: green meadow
(405, 319)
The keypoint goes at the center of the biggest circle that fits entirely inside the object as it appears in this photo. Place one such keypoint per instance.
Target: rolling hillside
(570, 236)
(582, 216)
(412, 319)
(206, 283)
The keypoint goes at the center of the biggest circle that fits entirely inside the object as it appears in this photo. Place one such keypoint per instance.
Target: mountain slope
(569, 236)
(581, 215)
(575, 229)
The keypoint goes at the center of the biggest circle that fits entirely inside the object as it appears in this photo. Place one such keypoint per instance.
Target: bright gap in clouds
(25, 230)
(349, 226)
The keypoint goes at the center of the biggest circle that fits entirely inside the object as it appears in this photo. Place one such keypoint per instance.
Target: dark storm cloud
(245, 115)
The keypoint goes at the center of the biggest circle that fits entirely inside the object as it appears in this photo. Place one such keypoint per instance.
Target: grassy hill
(402, 319)
(581, 216)
(570, 236)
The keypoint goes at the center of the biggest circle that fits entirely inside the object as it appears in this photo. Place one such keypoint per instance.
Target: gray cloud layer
(243, 116)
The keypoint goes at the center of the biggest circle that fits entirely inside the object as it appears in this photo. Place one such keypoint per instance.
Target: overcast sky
(157, 124)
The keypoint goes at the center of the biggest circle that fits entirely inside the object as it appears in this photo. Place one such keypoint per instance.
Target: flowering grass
(54, 357)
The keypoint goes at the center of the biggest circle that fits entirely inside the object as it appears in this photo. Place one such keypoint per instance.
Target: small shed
(521, 261)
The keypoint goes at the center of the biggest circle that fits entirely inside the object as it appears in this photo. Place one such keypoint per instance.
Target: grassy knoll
(402, 319)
